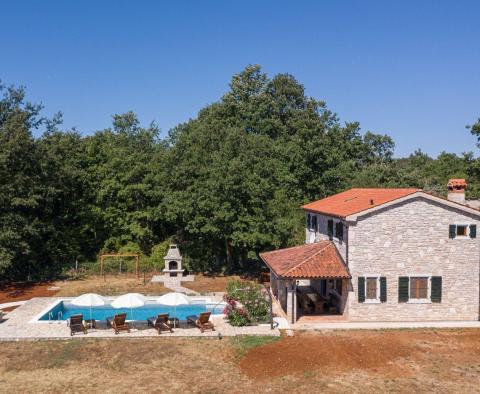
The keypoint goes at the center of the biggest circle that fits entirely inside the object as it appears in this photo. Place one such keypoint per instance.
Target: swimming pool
(63, 310)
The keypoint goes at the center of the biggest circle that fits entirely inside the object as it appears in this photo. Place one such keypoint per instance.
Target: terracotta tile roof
(317, 260)
(356, 200)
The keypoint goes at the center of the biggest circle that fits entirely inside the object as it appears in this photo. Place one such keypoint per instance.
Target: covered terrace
(310, 279)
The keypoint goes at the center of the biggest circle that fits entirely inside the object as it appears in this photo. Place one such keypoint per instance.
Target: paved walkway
(19, 326)
(338, 322)
(175, 284)
(383, 325)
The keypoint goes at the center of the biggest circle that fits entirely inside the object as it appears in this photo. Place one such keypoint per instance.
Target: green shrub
(157, 254)
(130, 247)
(146, 264)
(234, 288)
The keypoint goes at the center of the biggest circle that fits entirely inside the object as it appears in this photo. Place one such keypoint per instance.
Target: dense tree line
(224, 185)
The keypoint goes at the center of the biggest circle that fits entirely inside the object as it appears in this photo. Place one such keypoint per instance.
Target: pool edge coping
(36, 318)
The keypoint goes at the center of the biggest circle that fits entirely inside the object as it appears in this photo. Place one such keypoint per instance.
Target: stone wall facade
(412, 239)
(322, 233)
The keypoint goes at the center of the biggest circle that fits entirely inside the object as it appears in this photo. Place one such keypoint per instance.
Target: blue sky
(410, 69)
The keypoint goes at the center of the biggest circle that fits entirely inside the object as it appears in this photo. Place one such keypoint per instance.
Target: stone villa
(383, 255)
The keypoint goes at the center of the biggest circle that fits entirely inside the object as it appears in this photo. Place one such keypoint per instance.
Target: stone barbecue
(173, 262)
(174, 273)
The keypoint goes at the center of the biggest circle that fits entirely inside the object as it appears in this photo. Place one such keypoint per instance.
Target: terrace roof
(317, 260)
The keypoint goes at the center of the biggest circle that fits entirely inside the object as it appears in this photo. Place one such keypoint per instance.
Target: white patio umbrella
(174, 299)
(129, 300)
(89, 299)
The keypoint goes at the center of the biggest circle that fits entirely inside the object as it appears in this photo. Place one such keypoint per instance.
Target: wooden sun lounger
(118, 323)
(202, 322)
(160, 323)
(76, 324)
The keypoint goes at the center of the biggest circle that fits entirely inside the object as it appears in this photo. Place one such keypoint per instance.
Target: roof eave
(315, 277)
(353, 217)
(322, 212)
(269, 267)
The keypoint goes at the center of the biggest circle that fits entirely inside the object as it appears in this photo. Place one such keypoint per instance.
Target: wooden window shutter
(309, 221)
(403, 289)
(452, 231)
(361, 289)
(330, 229)
(314, 224)
(473, 231)
(383, 289)
(436, 289)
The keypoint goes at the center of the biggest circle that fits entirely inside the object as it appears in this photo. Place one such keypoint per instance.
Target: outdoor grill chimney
(456, 190)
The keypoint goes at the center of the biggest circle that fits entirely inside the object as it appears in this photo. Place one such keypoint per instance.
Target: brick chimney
(456, 190)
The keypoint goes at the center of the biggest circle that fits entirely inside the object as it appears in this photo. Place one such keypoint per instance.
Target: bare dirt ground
(204, 283)
(403, 361)
(21, 291)
(394, 360)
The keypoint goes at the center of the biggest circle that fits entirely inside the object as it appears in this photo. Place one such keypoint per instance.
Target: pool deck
(19, 325)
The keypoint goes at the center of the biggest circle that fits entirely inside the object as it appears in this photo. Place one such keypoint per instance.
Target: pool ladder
(217, 304)
(59, 316)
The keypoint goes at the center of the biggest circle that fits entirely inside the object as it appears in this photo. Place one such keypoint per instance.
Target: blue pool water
(63, 310)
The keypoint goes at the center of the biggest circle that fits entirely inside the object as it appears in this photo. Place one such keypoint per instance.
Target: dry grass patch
(205, 284)
(121, 366)
(111, 285)
(338, 362)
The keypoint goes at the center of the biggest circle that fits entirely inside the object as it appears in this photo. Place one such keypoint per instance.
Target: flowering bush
(237, 317)
(246, 303)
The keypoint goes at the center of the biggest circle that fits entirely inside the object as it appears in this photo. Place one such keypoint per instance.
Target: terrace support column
(274, 285)
(279, 291)
(295, 317)
(291, 303)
